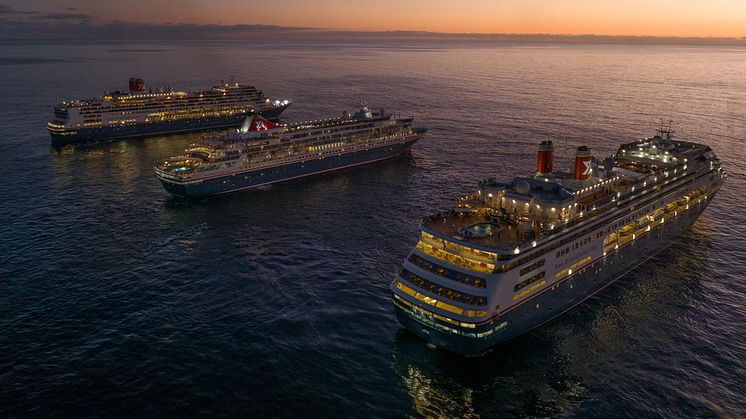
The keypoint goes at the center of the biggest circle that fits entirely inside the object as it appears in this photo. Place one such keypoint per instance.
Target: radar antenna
(666, 131)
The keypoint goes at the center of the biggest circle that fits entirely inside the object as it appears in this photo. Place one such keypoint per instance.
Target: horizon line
(123, 30)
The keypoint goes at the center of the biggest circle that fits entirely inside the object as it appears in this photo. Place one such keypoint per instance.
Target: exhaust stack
(583, 158)
(137, 85)
(545, 158)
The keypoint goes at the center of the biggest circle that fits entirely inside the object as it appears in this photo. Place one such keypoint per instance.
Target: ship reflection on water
(528, 377)
(550, 371)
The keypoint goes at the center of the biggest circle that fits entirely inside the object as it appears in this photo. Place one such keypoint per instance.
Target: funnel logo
(583, 168)
(261, 124)
(588, 170)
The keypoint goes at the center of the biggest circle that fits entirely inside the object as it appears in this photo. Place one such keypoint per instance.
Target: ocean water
(119, 300)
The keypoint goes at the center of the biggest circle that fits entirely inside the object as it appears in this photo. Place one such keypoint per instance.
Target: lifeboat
(656, 214)
(626, 230)
(670, 206)
(642, 222)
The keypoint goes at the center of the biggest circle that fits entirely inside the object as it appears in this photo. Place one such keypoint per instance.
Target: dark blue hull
(108, 133)
(551, 303)
(265, 176)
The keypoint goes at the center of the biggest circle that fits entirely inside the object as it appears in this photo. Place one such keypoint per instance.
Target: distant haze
(235, 18)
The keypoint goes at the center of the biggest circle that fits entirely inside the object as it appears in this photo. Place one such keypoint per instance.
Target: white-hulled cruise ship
(512, 256)
(140, 112)
(262, 152)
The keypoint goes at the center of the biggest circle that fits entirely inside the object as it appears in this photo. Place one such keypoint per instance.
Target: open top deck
(510, 216)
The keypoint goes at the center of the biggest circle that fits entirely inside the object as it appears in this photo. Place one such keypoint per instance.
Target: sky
(680, 18)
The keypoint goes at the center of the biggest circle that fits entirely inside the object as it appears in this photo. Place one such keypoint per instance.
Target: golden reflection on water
(638, 303)
(118, 163)
(526, 377)
(431, 401)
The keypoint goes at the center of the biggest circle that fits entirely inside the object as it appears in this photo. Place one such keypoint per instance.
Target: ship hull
(553, 301)
(109, 133)
(268, 175)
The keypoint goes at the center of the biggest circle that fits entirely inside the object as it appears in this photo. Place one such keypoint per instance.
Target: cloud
(82, 26)
(7, 10)
(63, 16)
(19, 16)
(193, 31)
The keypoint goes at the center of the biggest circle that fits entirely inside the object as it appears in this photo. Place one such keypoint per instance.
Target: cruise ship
(140, 112)
(262, 152)
(511, 256)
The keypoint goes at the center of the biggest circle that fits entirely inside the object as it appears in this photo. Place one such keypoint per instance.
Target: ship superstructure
(140, 112)
(512, 256)
(262, 152)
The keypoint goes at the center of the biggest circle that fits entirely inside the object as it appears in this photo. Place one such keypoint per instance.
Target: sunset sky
(716, 18)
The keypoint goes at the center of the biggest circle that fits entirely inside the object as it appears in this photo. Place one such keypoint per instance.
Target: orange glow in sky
(721, 18)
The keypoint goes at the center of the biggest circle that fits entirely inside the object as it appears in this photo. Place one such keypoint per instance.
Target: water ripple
(120, 300)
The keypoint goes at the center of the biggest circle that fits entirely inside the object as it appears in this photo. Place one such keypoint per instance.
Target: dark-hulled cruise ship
(512, 256)
(262, 152)
(139, 113)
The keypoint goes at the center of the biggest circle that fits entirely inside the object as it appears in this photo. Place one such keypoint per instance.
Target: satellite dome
(522, 187)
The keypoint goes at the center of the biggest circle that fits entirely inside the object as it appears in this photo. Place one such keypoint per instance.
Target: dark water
(116, 299)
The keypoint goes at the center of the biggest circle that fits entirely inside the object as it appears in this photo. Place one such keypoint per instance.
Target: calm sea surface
(118, 300)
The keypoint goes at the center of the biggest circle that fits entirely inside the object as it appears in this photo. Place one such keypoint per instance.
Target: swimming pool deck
(451, 224)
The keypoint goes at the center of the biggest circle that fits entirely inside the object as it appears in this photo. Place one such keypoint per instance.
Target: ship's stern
(463, 342)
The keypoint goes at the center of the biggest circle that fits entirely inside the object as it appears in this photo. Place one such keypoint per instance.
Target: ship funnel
(255, 123)
(583, 169)
(545, 158)
(137, 85)
(246, 125)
